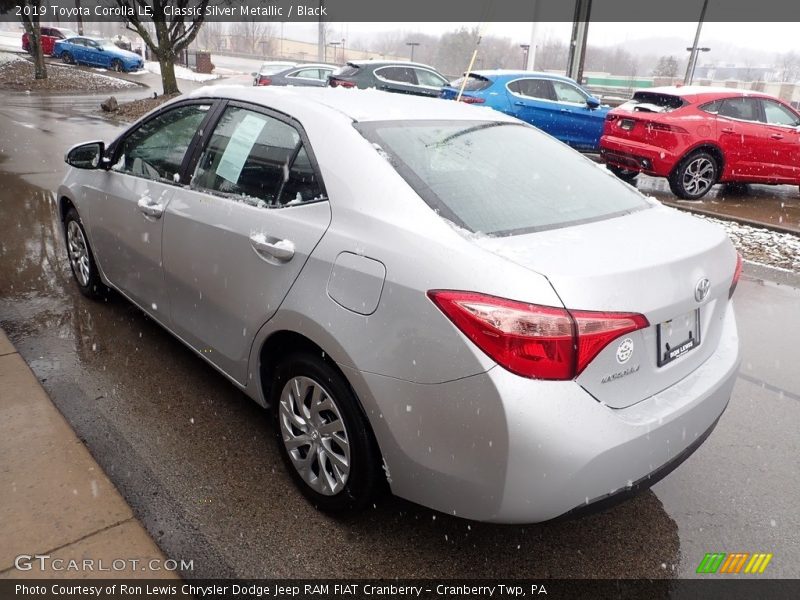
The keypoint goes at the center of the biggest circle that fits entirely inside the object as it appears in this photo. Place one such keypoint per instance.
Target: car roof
(702, 92)
(382, 63)
(357, 105)
(314, 66)
(509, 73)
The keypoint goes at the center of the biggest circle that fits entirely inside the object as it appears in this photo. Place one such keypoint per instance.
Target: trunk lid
(648, 262)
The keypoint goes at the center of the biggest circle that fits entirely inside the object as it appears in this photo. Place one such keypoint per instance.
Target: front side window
(535, 183)
(540, 89)
(777, 114)
(429, 78)
(258, 160)
(156, 149)
(566, 92)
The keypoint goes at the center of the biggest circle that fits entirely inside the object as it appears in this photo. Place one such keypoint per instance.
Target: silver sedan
(427, 294)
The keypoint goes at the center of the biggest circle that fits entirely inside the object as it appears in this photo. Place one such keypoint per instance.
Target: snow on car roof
(702, 90)
(358, 105)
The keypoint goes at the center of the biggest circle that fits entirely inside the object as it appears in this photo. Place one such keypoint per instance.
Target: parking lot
(198, 463)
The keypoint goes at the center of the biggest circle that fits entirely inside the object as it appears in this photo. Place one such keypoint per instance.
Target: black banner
(477, 11)
(425, 589)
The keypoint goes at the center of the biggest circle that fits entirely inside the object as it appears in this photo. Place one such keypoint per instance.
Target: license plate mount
(678, 336)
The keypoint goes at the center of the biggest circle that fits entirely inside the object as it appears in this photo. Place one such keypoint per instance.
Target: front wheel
(67, 59)
(627, 175)
(324, 438)
(694, 176)
(81, 259)
(117, 66)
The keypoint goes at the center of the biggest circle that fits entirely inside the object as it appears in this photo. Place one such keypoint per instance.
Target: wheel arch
(710, 147)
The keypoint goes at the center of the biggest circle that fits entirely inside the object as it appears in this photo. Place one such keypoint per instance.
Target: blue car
(96, 52)
(554, 104)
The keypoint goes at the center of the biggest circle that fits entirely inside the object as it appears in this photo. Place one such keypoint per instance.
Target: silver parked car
(426, 293)
(306, 75)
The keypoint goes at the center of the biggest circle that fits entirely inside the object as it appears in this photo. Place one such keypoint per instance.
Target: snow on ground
(16, 73)
(6, 57)
(181, 72)
(11, 40)
(758, 245)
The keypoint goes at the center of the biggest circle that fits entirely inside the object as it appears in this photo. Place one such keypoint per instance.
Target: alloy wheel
(698, 176)
(78, 253)
(314, 435)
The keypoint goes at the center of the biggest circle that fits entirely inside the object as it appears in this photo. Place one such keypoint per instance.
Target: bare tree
(210, 36)
(30, 11)
(789, 67)
(253, 36)
(173, 33)
(667, 66)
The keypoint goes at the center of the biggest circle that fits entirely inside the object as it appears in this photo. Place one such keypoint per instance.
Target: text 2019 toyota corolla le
(428, 293)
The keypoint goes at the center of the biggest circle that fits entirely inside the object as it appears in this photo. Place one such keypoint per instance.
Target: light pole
(695, 48)
(334, 44)
(695, 52)
(525, 49)
(413, 45)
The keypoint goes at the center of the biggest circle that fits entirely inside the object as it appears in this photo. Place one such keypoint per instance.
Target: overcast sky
(770, 37)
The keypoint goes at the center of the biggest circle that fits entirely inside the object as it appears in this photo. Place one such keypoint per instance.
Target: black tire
(117, 66)
(84, 268)
(67, 59)
(694, 176)
(627, 175)
(364, 477)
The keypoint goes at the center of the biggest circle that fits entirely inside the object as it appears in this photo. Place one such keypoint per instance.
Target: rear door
(534, 100)
(400, 79)
(128, 203)
(236, 239)
(744, 140)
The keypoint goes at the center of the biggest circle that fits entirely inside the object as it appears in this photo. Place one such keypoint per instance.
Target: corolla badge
(624, 351)
(701, 289)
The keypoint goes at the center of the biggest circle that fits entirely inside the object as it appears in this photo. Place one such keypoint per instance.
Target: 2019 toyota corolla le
(426, 292)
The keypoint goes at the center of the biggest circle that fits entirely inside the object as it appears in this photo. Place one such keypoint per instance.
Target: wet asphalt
(197, 460)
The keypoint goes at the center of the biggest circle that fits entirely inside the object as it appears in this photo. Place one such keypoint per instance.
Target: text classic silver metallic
(429, 294)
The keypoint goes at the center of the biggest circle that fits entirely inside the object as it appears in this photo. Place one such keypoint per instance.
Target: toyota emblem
(701, 289)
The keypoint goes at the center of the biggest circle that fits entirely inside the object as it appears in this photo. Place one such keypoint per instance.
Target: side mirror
(592, 102)
(86, 156)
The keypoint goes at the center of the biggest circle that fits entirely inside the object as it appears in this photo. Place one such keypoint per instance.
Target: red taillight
(472, 100)
(541, 342)
(736, 274)
(264, 81)
(655, 126)
(341, 83)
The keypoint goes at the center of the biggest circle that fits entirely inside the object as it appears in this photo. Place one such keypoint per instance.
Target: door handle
(566, 110)
(776, 136)
(728, 130)
(282, 250)
(519, 103)
(150, 208)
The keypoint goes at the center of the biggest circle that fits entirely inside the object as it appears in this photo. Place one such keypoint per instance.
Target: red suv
(699, 136)
(50, 35)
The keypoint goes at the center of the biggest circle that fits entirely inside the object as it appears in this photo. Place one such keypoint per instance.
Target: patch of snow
(181, 72)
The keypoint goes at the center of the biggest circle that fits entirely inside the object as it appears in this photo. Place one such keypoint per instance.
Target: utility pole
(580, 33)
(526, 48)
(687, 80)
(413, 45)
(531, 56)
(321, 34)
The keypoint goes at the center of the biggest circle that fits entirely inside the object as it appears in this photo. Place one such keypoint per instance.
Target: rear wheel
(324, 438)
(116, 65)
(627, 175)
(81, 259)
(694, 176)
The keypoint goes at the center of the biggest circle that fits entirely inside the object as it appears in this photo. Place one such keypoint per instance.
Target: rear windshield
(272, 69)
(654, 102)
(475, 83)
(500, 178)
(346, 71)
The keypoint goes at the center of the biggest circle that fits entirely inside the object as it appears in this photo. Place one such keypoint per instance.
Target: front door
(128, 204)
(782, 127)
(533, 100)
(237, 238)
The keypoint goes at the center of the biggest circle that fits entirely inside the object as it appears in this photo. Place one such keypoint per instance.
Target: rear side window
(475, 83)
(533, 88)
(534, 183)
(258, 160)
(398, 74)
(654, 102)
(307, 74)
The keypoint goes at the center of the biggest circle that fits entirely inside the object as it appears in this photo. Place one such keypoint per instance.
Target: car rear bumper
(637, 156)
(502, 448)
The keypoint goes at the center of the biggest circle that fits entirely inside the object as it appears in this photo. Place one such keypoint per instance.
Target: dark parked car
(400, 77)
(97, 53)
(49, 36)
(315, 75)
(555, 104)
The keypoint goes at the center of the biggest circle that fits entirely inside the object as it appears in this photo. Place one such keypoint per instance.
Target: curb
(728, 217)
